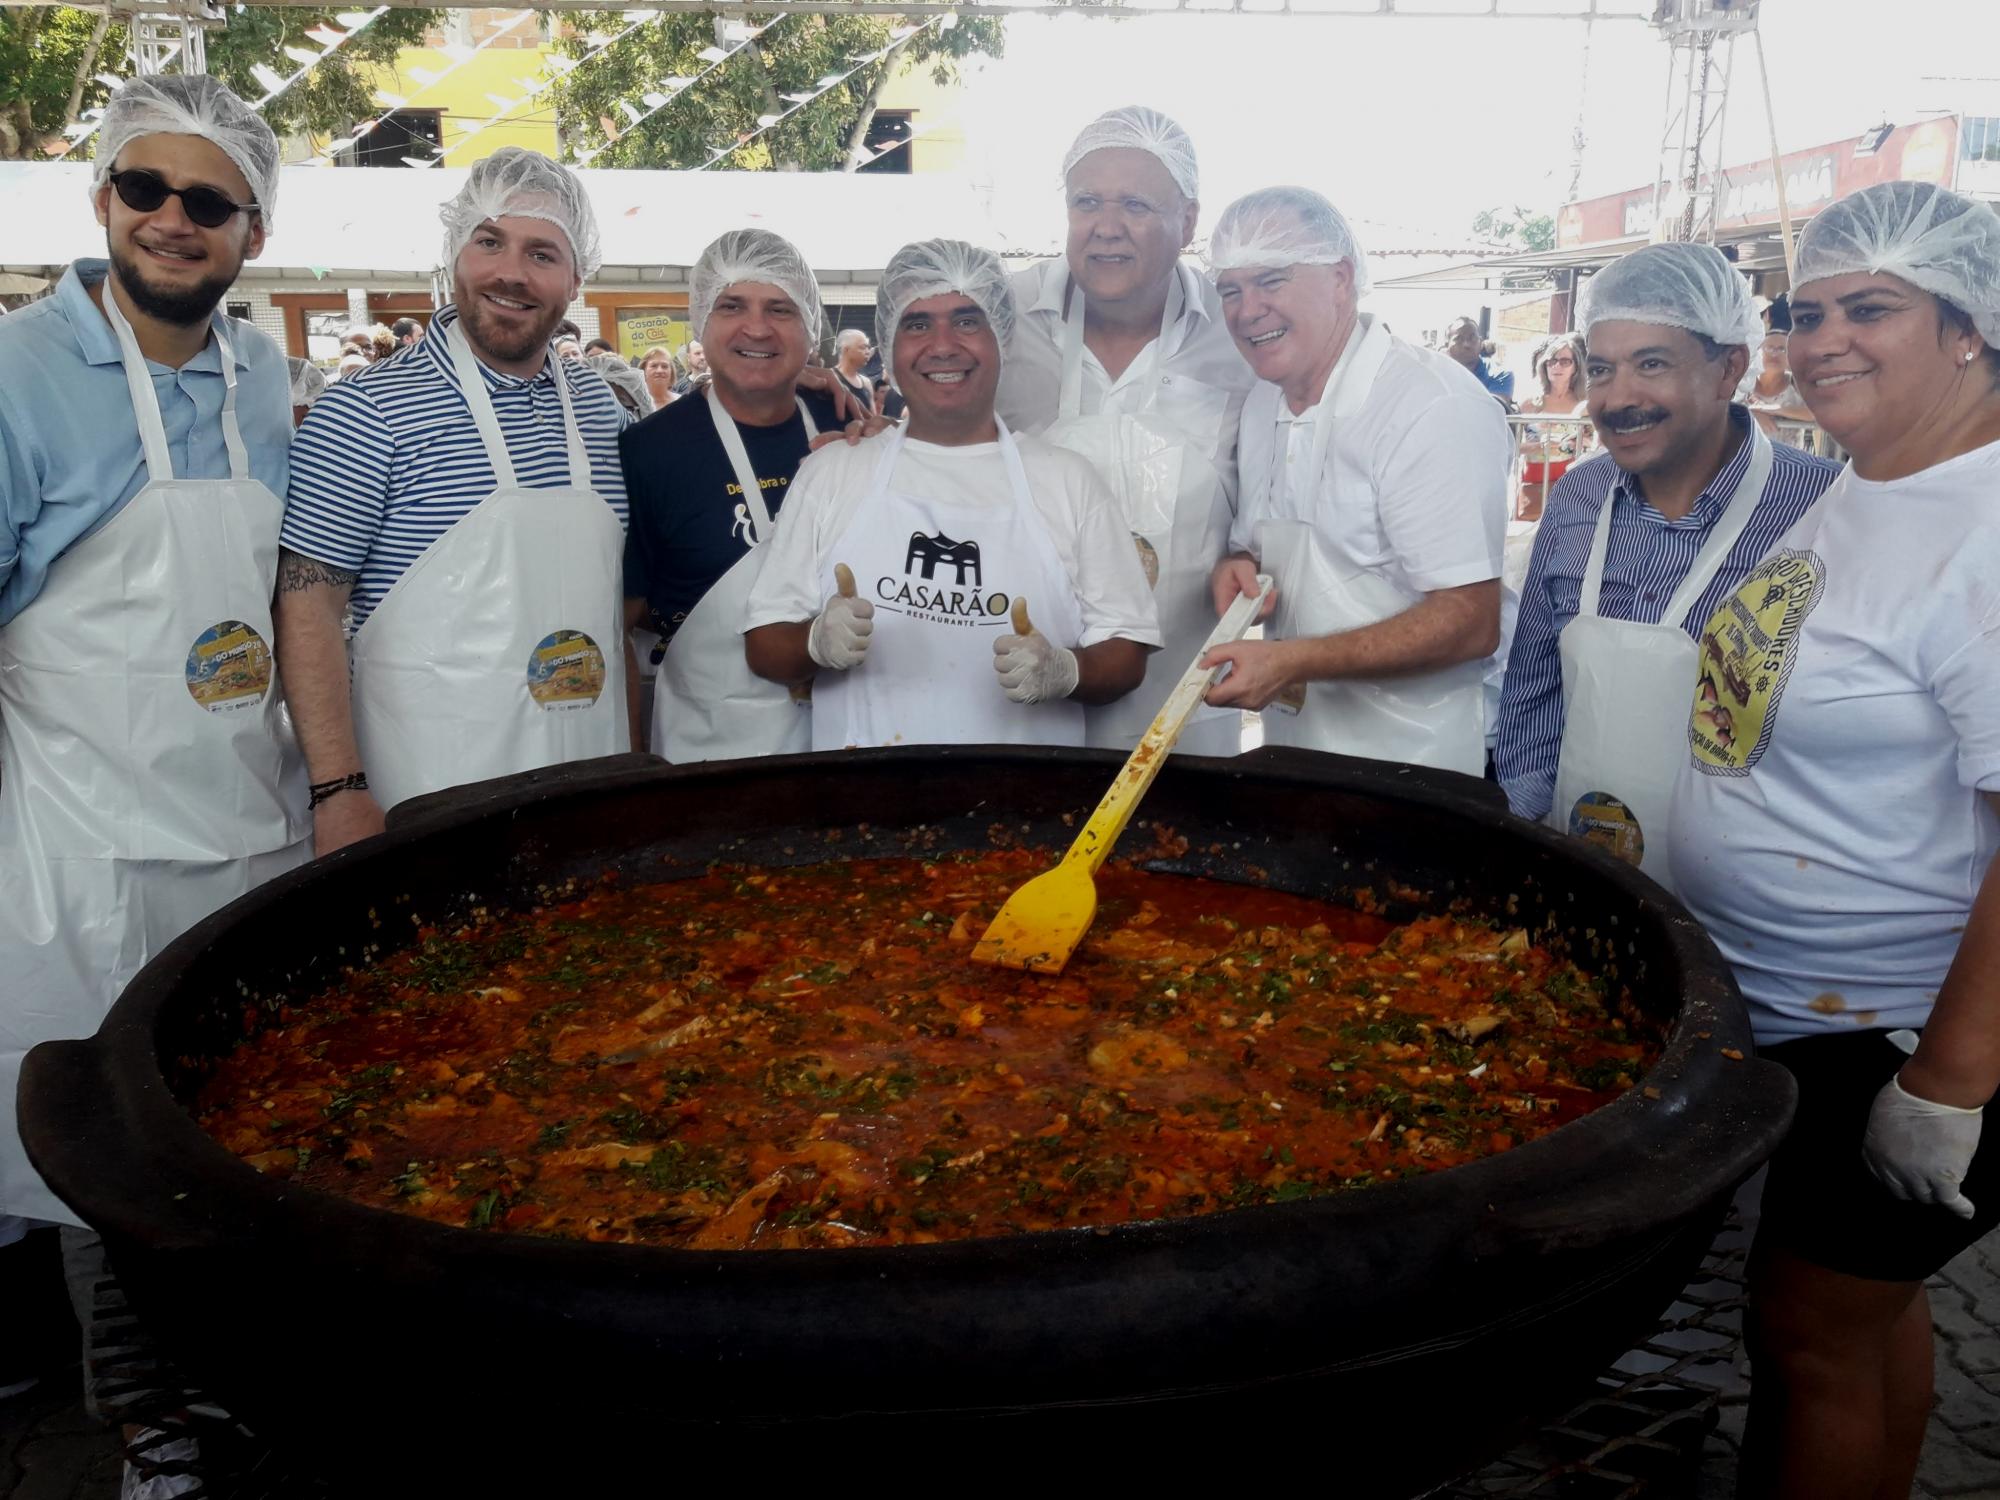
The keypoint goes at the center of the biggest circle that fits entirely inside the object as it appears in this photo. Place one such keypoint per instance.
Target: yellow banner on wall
(641, 328)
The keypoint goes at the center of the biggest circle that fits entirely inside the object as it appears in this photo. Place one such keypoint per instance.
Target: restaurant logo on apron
(1747, 652)
(943, 582)
(229, 667)
(566, 670)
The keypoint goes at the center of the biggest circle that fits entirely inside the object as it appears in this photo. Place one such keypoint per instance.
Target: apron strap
(145, 402)
(1722, 538)
(579, 457)
(747, 479)
(472, 386)
(1070, 401)
(1322, 419)
(232, 431)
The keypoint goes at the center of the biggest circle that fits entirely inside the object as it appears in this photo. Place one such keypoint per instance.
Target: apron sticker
(566, 670)
(1149, 559)
(1747, 653)
(1601, 819)
(229, 667)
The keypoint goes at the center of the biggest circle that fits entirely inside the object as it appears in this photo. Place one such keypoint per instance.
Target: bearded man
(463, 505)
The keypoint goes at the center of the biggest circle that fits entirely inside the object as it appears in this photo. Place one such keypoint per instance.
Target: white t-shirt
(1828, 828)
(1414, 489)
(1092, 542)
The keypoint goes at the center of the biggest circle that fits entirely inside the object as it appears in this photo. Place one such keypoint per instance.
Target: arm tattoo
(297, 572)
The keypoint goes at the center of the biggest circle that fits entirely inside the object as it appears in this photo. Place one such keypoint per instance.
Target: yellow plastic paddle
(1044, 920)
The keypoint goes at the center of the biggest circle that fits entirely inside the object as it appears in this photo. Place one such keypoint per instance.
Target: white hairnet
(1137, 128)
(190, 104)
(930, 268)
(1285, 226)
(753, 255)
(1934, 239)
(1675, 285)
(516, 183)
(620, 376)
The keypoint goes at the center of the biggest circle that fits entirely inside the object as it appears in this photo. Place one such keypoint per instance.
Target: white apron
(502, 648)
(1178, 515)
(1426, 718)
(1626, 689)
(150, 771)
(707, 703)
(943, 576)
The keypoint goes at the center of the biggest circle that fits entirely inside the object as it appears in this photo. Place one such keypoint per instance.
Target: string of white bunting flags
(330, 38)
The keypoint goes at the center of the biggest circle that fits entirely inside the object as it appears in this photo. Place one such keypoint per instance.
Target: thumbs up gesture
(1033, 668)
(838, 639)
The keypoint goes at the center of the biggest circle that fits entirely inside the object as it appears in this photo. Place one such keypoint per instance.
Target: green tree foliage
(1516, 227)
(792, 54)
(49, 54)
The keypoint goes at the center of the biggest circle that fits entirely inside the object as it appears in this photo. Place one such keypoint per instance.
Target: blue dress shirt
(70, 455)
(1646, 560)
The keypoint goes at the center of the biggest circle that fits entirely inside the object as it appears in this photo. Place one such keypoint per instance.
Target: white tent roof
(362, 222)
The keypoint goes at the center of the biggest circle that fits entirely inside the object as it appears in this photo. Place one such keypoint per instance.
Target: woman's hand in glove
(1033, 668)
(1919, 1149)
(839, 636)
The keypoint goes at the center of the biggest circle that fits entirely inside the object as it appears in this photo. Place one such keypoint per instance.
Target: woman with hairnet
(1374, 490)
(1121, 355)
(1834, 827)
(463, 505)
(899, 561)
(150, 776)
(1638, 546)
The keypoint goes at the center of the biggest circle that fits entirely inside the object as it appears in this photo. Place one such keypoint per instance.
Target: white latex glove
(839, 637)
(1034, 669)
(1919, 1149)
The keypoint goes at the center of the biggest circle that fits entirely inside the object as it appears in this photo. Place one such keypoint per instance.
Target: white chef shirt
(1196, 385)
(1415, 484)
(828, 492)
(1828, 828)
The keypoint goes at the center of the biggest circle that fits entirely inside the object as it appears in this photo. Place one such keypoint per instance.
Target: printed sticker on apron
(1747, 651)
(229, 667)
(566, 670)
(1149, 559)
(1601, 819)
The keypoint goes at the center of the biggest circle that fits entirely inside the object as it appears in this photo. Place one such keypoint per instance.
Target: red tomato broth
(807, 1057)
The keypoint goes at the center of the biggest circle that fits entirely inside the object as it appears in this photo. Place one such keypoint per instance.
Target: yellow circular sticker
(566, 670)
(229, 667)
(1149, 559)
(1602, 819)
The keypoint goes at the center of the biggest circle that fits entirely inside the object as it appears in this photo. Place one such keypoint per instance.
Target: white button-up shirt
(1414, 488)
(1196, 385)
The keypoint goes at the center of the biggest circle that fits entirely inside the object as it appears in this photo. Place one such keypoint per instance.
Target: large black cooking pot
(1396, 1335)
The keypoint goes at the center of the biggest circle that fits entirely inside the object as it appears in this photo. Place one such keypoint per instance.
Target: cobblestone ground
(50, 1451)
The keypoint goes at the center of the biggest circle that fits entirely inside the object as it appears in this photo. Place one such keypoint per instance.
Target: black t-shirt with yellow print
(687, 524)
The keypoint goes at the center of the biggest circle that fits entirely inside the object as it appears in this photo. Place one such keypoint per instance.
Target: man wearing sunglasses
(150, 777)
(463, 504)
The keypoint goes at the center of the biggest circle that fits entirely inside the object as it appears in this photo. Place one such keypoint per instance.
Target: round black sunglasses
(144, 191)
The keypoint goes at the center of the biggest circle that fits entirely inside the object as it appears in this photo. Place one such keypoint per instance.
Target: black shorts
(1823, 1204)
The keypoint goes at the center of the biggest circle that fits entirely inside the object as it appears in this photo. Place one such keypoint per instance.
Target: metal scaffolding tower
(1701, 42)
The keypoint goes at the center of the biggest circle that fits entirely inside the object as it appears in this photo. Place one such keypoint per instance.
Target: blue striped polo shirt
(1646, 558)
(388, 460)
